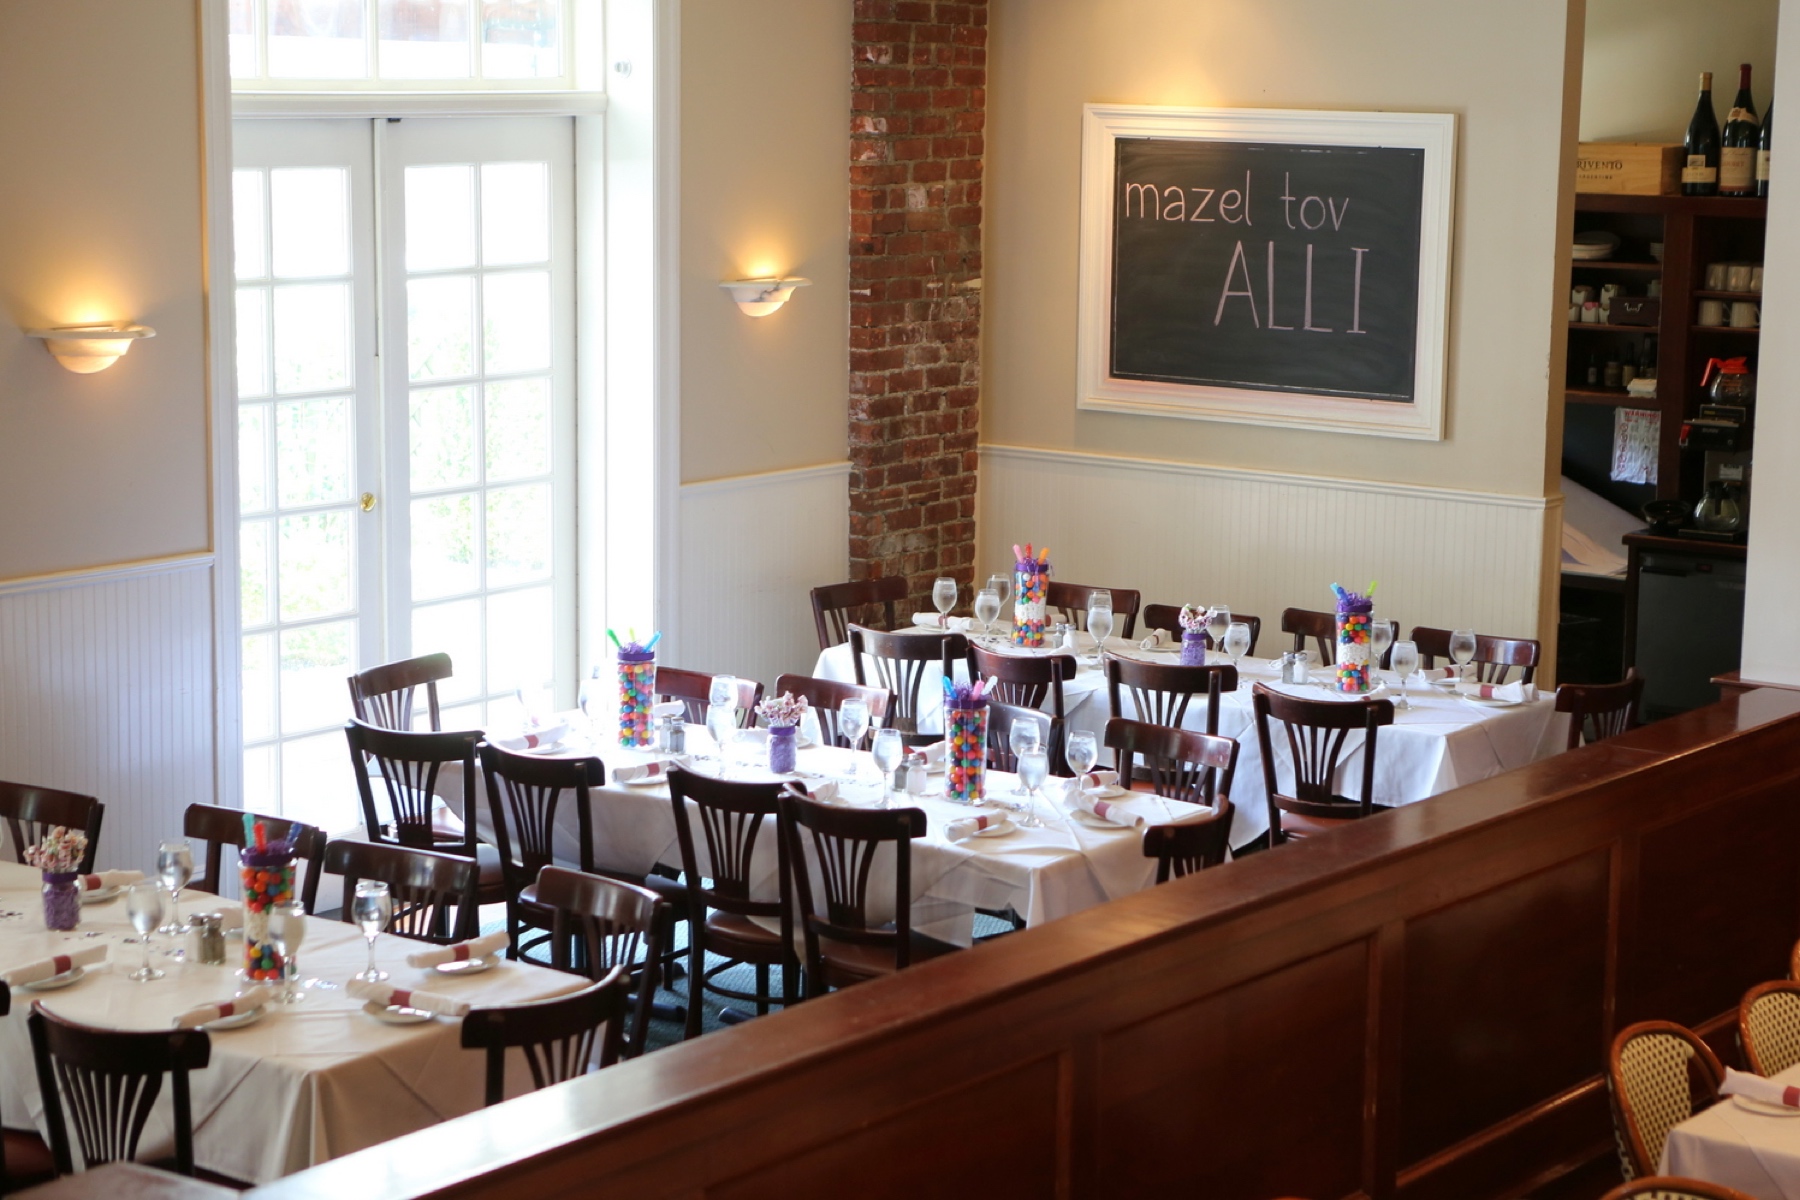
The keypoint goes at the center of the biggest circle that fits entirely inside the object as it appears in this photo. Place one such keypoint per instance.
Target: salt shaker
(1287, 668)
(1302, 663)
(918, 774)
(206, 939)
(1067, 641)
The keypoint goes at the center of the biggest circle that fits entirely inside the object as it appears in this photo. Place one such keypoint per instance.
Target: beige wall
(1499, 67)
(765, 119)
(100, 219)
(1644, 58)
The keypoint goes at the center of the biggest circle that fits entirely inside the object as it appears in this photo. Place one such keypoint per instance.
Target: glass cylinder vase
(1353, 670)
(267, 877)
(637, 688)
(1031, 589)
(1193, 648)
(782, 742)
(965, 733)
(62, 900)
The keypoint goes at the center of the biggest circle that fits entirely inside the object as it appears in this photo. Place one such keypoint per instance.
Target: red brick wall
(917, 99)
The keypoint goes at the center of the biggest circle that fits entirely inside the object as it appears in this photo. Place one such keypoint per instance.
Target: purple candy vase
(62, 900)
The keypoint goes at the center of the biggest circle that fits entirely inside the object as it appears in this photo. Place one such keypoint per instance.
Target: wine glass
(888, 752)
(1381, 636)
(1034, 768)
(146, 902)
(1025, 736)
(1237, 641)
(943, 594)
(593, 695)
(1000, 585)
(853, 722)
(987, 609)
(174, 866)
(1082, 751)
(372, 909)
(1218, 622)
(1406, 661)
(287, 929)
(721, 723)
(1462, 650)
(1100, 619)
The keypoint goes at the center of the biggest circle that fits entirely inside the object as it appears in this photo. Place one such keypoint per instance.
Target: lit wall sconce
(85, 349)
(760, 297)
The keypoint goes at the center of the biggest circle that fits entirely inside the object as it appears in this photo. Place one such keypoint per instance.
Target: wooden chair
(1600, 710)
(525, 793)
(615, 926)
(1316, 730)
(1029, 681)
(900, 661)
(844, 944)
(1069, 601)
(1167, 617)
(1188, 846)
(1674, 1187)
(693, 688)
(1656, 1071)
(111, 1080)
(731, 816)
(1794, 962)
(1000, 756)
(826, 696)
(408, 765)
(1769, 1026)
(561, 1038)
(383, 696)
(25, 1159)
(220, 827)
(1161, 692)
(1177, 764)
(838, 606)
(1495, 657)
(434, 893)
(31, 812)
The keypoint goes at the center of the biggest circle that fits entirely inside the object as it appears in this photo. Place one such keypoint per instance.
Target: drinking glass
(1218, 622)
(174, 866)
(1034, 768)
(1082, 751)
(287, 929)
(943, 594)
(1100, 618)
(594, 690)
(853, 721)
(987, 609)
(145, 903)
(1237, 641)
(888, 753)
(723, 690)
(1462, 650)
(1025, 736)
(721, 723)
(1381, 636)
(372, 909)
(1000, 585)
(1406, 661)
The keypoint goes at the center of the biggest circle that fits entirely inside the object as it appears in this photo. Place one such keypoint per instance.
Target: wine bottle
(1593, 371)
(1764, 139)
(1700, 177)
(1737, 145)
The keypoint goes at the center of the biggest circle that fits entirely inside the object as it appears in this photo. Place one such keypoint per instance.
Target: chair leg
(762, 989)
(696, 980)
(790, 984)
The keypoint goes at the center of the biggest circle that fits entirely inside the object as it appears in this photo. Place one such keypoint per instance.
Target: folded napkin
(205, 1014)
(1158, 637)
(1110, 810)
(1755, 1087)
(531, 739)
(1102, 783)
(106, 879)
(46, 968)
(479, 947)
(632, 772)
(964, 828)
(823, 793)
(393, 997)
(953, 624)
(934, 755)
(1514, 693)
(1442, 674)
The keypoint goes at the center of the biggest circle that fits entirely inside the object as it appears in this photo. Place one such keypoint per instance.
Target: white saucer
(236, 1020)
(1489, 703)
(469, 966)
(397, 1015)
(72, 975)
(1091, 821)
(1764, 1109)
(556, 747)
(649, 781)
(101, 895)
(1000, 828)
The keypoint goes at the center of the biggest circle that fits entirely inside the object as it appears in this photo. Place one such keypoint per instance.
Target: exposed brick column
(918, 98)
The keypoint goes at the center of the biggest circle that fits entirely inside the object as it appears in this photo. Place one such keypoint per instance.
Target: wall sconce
(760, 297)
(85, 349)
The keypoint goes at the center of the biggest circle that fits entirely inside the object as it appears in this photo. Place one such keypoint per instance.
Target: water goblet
(1034, 768)
(1462, 651)
(287, 929)
(943, 595)
(721, 723)
(174, 866)
(372, 909)
(1001, 585)
(1100, 619)
(1025, 736)
(1406, 661)
(1237, 641)
(1082, 751)
(987, 609)
(889, 750)
(853, 722)
(593, 698)
(145, 904)
(1381, 636)
(1218, 623)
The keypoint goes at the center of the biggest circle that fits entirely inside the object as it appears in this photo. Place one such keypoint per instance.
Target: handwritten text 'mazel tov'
(1195, 205)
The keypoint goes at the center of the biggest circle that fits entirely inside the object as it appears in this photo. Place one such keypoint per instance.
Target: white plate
(236, 1020)
(1091, 821)
(469, 966)
(1000, 828)
(101, 895)
(651, 781)
(395, 1015)
(556, 747)
(72, 975)
(1490, 703)
(1765, 1109)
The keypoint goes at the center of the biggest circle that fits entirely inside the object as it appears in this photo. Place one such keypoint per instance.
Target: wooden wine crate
(1630, 168)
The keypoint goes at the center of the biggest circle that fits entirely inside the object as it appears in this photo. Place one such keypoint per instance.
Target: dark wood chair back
(838, 606)
(1161, 692)
(1600, 710)
(1069, 602)
(900, 662)
(827, 695)
(1000, 756)
(31, 812)
(384, 696)
(1027, 680)
(220, 827)
(433, 893)
(694, 688)
(110, 1081)
(602, 925)
(1167, 617)
(560, 1038)
(525, 792)
(1178, 764)
(1316, 730)
(1188, 846)
(835, 917)
(409, 764)
(731, 816)
(1495, 657)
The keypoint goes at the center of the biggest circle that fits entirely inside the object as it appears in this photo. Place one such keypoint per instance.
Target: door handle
(368, 501)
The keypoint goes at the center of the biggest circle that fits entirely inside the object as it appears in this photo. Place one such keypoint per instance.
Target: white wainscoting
(106, 688)
(752, 547)
(1263, 541)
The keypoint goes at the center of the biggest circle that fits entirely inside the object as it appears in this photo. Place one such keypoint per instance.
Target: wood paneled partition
(1415, 1007)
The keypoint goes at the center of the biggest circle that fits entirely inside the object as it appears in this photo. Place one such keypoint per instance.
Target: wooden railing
(1415, 1006)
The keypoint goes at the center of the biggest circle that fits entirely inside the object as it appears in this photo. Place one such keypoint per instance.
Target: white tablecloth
(1442, 742)
(305, 1083)
(1755, 1153)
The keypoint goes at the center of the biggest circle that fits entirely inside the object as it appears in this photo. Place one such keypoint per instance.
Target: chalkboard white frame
(1099, 390)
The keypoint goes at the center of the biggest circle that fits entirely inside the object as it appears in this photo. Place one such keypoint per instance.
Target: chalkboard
(1267, 266)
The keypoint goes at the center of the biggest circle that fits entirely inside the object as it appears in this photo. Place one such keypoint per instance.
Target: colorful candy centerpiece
(1031, 589)
(637, 688)
(965, 734)
(1354, 617)
(266, 872)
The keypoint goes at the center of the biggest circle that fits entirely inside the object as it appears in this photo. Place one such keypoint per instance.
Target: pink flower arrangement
(1193, 618)
(59, 852)
(782, 710)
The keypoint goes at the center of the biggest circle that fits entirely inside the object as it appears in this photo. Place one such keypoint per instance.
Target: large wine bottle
(1764, 140)
(1737, 145)
(1700, 177)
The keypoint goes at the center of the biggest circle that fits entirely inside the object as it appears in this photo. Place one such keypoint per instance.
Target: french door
(406, 418)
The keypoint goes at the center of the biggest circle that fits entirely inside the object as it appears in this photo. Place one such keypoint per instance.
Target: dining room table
(1741, 1143)
(298, 1085)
